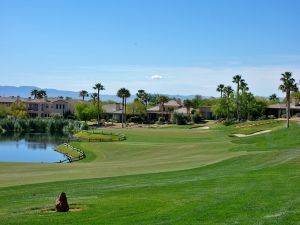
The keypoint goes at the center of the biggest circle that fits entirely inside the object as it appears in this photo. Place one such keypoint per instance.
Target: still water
(30, 148)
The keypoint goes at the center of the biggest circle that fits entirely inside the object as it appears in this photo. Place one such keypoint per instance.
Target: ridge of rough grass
(88, 135)
(67, 151)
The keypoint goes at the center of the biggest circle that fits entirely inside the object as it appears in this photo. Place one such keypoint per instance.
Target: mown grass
(67, 151)
(96, 136)
(207, 182)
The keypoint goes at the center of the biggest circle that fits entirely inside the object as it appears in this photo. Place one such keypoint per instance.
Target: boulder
(61, 204)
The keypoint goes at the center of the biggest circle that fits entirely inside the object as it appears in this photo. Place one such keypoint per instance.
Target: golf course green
(174, 175)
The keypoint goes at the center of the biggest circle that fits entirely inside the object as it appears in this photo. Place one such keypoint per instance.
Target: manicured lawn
(163, 176)
(67, 151)
(96, 136)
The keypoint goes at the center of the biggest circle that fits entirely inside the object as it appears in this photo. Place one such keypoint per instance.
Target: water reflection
(28, 147)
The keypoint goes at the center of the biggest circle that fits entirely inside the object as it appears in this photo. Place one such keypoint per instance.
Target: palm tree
(220, 89)
(124, 94)
(83, 94)
(273, 97)
(41, 94)
(228, 91)
(34, 93)
(162, 100)
(143, 96)
(99, 87)
(288, 85)
(238, 80)
(244, 86)
(188, 104)
(94, 96)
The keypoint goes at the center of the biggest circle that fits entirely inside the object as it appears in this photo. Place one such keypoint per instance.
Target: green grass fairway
(164, 176)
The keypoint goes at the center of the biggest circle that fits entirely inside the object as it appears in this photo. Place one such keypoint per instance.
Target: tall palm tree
(34, 93)
(238, 80)
(94, 97)
(288, 85)
(83, 94)
(188, 104)
(143, 96)
(162, 100)
(124, 94)
(99, 87)
(228, 91)
(244, 86)
(273, 97)
(220, 89)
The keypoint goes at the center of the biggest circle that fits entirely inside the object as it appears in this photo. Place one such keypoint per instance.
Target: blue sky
(169, 46)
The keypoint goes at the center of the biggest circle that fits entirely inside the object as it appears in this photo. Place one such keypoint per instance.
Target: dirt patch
(74, 208)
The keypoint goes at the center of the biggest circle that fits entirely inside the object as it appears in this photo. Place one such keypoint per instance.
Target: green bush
(229, 122)
(38, 125)
(180, 119)
(84, 126)
(136, 119)
(197, 118)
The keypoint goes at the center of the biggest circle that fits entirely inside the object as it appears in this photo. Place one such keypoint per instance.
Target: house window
(63, 106)
(59, 106)
(56, 106)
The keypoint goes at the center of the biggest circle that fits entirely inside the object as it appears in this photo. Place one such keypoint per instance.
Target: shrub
(263, 117)
(84, 126)
(283, 116)
(272, 117)
(197, 118)
(136, 119)
(38, 125)
(56, 116)
(180, 119)
(229, 122)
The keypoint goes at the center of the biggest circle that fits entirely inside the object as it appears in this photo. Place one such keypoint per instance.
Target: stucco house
(42, 107)
(112, 112)
(176, 106)
(278, 110)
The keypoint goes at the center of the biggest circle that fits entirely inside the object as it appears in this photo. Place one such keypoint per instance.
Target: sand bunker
(254, 134)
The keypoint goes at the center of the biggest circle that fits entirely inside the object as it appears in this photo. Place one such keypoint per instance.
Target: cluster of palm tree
(288, 86)
(122, 93)
(227, 92)
(38, 94)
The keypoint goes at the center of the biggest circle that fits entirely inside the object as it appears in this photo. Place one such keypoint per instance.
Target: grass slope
(145, 151)
(260, 186)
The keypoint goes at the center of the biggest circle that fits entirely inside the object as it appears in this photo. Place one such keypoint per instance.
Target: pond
(30, 148)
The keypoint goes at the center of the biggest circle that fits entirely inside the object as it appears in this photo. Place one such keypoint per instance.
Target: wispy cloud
(156, 77)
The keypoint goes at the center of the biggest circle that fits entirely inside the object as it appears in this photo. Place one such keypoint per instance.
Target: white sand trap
(254, 134)
(202, 128)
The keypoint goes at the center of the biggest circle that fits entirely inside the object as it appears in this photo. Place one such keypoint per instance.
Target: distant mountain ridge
(24, 91)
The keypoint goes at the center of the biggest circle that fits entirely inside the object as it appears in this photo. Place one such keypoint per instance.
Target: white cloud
(156, 77)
